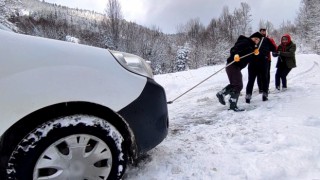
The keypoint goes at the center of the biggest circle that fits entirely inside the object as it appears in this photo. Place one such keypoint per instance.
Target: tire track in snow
(311, 71)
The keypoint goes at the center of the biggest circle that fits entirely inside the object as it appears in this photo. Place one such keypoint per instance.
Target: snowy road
(278, 139)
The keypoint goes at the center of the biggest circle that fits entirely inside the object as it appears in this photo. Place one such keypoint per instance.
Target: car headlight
(133, 63)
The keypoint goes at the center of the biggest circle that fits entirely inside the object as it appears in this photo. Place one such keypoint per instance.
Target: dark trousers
(281, 74)
(259, 81)
(258, 68)
(235, 77)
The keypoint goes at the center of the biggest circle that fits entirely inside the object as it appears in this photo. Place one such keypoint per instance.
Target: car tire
(71, 147)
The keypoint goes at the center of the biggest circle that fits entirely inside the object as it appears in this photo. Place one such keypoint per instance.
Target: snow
(3, 27)
(24, 12)
(72, 39)
(277, 139)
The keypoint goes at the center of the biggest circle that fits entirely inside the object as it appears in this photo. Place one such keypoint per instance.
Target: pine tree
(182, 58)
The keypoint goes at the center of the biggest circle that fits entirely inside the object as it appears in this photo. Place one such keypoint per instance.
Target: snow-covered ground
(278, 139)
(3, 27)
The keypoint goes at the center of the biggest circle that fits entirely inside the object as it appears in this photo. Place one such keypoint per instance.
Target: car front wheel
(72, 147)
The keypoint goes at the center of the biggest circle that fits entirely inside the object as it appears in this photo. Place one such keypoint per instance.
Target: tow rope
(256, 52)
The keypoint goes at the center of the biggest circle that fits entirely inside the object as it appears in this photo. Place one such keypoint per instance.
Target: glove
(256, 52)
(275, 54)
(236, 58)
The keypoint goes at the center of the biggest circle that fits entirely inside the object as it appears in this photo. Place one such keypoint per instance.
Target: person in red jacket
(243, 46)
(286, 61)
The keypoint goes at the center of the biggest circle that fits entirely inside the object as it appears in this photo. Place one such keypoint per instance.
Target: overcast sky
(168, 14)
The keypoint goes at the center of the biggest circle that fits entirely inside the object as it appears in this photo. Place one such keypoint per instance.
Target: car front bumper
(148, 116)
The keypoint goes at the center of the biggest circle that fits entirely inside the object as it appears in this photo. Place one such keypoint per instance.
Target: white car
(70, 111)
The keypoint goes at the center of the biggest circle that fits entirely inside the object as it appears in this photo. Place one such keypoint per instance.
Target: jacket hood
(242, 37)
(287, 36)
(257, 35)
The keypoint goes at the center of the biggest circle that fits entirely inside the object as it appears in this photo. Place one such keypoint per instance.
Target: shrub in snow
(72, 39)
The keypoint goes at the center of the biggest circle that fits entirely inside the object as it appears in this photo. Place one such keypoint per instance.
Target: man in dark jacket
(242, 47)
(286, 60)
(260, 67)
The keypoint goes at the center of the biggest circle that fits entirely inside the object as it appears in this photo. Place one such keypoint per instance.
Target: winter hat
(265, 31)
(262, 28)
(257, 35)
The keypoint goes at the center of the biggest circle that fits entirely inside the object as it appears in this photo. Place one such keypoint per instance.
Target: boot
(221, 94)
(264, 96)
(248, 98)
(233, 102)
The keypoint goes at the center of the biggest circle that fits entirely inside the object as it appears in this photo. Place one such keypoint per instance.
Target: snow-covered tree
(243, 20)
(308, 21)
(182, 59)
(219, 53)
(114, 19)
(72, 39)
(9, 8)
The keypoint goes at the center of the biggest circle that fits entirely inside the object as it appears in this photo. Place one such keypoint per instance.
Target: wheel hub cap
(79, 156)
